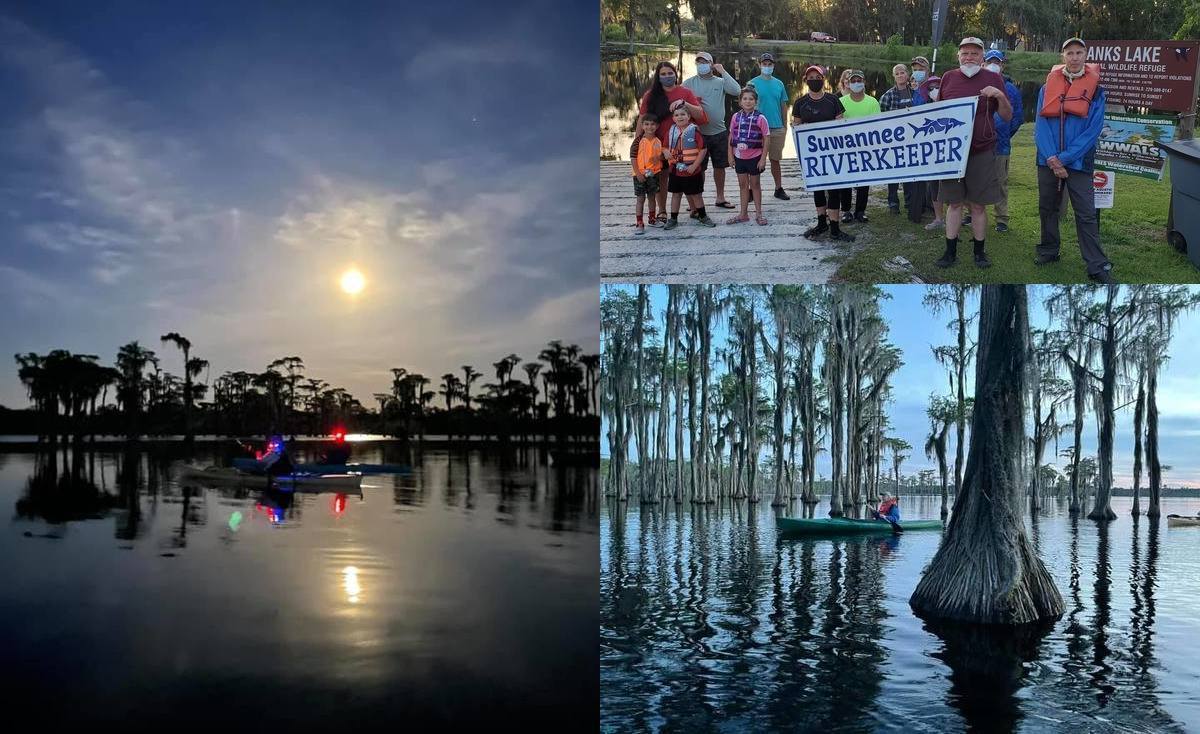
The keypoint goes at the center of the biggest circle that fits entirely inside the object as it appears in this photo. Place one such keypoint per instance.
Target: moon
(353, 282)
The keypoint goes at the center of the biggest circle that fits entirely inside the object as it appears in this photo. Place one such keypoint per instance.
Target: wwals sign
(1156, 74)
(924, 143)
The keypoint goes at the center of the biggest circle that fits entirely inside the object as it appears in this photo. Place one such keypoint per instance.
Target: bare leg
(719, 180)
(953, 220)
(777, 174)
(662, 191)
(744, 189)
(756, 187)
(978, 220)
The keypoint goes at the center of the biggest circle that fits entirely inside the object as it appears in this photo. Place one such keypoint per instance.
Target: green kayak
(847, 526)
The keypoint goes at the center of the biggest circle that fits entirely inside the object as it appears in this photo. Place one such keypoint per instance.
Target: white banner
(924, 143)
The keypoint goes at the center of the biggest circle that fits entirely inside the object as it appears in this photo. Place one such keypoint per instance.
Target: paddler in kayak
(889, 510)
(275, 461)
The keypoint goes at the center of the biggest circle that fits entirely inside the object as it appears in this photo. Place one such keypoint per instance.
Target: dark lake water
(463, 589)
(624, 81)
(710, 622)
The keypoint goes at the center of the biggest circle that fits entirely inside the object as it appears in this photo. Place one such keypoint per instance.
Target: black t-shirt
(817, 110)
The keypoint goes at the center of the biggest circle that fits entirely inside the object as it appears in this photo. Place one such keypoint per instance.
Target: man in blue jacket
(1068, 123)
(1005, 129)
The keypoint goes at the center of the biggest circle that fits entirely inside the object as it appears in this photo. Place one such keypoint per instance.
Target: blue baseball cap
(994, 55)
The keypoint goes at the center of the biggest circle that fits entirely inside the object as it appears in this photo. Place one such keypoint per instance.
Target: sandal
(761, 219)
(737, 219)
(725, 205)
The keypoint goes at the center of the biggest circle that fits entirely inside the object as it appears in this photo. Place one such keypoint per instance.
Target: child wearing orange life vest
(646, 158)
(685, 153)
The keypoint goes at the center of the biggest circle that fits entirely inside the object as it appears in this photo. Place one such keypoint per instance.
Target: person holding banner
(978, 186)
(772, 103)
(1066, 130)
(815, 105)
(857, 103)
(1005, 129)
(710, 84)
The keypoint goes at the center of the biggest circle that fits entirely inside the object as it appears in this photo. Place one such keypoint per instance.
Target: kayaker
(889, 510)
(339, 453)
(276, 461)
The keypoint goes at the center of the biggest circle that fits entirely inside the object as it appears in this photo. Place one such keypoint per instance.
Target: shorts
(647, 187)
(747, 166)
(687, 185)
(775, 144)
(978, 185)
(717, 146)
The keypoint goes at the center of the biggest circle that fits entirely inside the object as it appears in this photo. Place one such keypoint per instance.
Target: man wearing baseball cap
(994, 61)
(711, 83)
(772, 103)
(978, 187)
(920, 72)
(1066, 130)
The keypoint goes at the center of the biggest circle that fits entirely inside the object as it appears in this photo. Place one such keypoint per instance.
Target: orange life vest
(684, 148)
(1061, 97)
(649, 155)
(886, 505)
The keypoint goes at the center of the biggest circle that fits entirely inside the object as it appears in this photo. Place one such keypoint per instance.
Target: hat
(994, 55)
(1069, 41)
(856, 73)
(704, 55)
(971, 41)
(767, 57)
(816, 68)
(920, 60)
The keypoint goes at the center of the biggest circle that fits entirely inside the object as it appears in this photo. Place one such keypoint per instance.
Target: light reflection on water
(466, 585)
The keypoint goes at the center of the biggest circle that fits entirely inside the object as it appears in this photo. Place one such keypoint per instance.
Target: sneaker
(781, 194)
(847, 217)
(1001, 227)
(706, 221)
(639, 229)
(671, 224)
(945, 261)
(694, 215)
(981, 260)
(935, 224)
(654, 223)
(1046, 259)
(841, 237)
(816, 230)
(1104, 276)
(861, 217)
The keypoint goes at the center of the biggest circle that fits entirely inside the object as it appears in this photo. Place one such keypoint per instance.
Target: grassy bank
(1131, 233)
(1018, 60)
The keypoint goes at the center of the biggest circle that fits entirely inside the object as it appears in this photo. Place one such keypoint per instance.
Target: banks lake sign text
(924, 143)
(1160, 75)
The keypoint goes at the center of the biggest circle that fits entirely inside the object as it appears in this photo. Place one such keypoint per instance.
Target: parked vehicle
(820, 37)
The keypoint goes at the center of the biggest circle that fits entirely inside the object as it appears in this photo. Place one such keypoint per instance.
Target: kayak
(1178, 521)
(225, 475)
(256, 466)
(847, 526)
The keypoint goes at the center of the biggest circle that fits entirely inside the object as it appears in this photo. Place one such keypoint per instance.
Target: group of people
(682, 132)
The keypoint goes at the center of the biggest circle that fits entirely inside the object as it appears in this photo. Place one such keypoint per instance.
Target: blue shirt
(1080, 135)
(1005, 130)
(772, 96)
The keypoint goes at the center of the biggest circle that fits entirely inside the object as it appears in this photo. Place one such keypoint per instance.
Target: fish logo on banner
(925, 143)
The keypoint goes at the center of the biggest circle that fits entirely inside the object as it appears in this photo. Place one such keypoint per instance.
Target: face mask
(815, 85)
(703, 68)
(970, 69)
(993, 67)
(933, 94)
(919, 76)
(767, 70)
(857, 87)
(667, 80)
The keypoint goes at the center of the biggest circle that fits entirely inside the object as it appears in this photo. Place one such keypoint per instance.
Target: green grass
(1132, 234)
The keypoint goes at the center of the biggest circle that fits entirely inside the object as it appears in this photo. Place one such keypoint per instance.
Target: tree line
(806, 370)
(1037, 25)
(69, 395)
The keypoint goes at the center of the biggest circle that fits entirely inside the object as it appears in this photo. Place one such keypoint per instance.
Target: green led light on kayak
(234, 520)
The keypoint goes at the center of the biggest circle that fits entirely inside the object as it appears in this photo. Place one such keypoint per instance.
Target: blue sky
(915, 331)
(212, 168)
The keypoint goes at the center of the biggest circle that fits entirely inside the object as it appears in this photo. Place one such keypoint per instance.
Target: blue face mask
(767, 70)
(703, 68)
(857, 87)
(668, 80)
(918, 76)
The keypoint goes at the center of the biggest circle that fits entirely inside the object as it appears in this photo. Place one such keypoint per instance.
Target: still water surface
(710, 622)
(465, 588)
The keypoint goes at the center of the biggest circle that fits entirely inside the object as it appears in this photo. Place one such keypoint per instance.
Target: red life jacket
(886, 505)
(1070, 98)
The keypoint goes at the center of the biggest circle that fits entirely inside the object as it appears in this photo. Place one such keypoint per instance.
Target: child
(747, 130)
(646, 157)
(685, 155)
